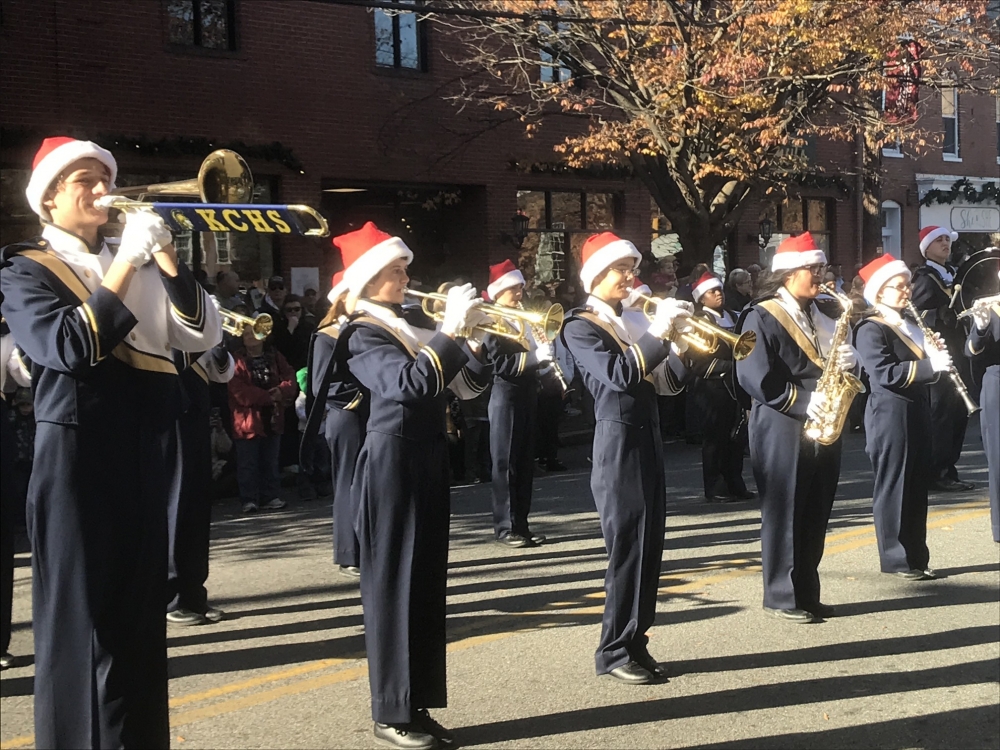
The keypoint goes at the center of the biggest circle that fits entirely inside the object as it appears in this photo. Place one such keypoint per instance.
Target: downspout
(859, 239)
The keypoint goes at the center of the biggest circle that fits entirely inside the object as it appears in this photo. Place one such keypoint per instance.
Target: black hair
(769, 282)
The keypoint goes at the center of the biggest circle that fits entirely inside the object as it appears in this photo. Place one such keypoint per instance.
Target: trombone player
(512, 411)
(99, 329)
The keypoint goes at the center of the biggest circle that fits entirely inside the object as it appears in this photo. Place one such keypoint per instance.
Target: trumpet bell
(236, 324)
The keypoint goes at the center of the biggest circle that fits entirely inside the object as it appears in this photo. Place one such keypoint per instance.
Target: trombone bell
(224, 177)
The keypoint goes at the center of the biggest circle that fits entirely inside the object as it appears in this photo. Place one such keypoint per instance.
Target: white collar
(891, 316)
(723, 317)
(792, 304)
(629, 326)
(415, 337)
(74, 250)
(943, 272)
(907, 327)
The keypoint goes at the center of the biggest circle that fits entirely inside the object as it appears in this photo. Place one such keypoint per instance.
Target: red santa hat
(797, 252)
(706, 283)
(366, 252)
(502, 276)
(53, 157)
(640, 287)
(931, 233)
(878, 272)
(600, 251)
(337, 286)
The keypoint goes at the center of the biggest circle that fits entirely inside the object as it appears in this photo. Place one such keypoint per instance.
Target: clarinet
(931, 339)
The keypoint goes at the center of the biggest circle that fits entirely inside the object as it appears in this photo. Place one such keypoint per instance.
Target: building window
(222, 252)
(949, 121)
(210, 24)
(399, 40)
(891, 232)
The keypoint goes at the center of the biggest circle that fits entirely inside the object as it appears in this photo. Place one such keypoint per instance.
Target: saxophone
(838, 386)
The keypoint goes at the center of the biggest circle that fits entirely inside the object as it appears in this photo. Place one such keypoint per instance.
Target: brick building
(343, 109)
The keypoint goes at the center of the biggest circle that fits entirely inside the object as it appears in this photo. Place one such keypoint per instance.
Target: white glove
(461, 301)
(940, 359)
(144, 234)
(544, 353)
(817, 405)
(670, 317)
(847, 360)
(981, 318)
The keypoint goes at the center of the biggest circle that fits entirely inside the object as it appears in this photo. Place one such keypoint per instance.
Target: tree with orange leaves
(709, 102)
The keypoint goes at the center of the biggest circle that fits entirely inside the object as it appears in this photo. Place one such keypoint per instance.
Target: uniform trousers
(403, 520)
(630, 493)
(549, 412)
(344, 436)
(189, 515)
(898, 445)
(797, 479)
(989, 417)
(512, 414)
(949, 419)
(721, 450)
(8, 506)
(97, 523)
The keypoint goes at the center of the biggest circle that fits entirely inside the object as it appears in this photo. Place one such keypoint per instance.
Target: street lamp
(520, 223)
(765, 232)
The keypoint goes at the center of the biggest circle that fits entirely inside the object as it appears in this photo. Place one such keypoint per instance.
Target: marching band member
(797, 478)
(984, 342)
(99, 330)
(402, 482)
(11, 370)
(900, 366)
(616, 352)
(933, 286)
(723, 441)
(512, 412)
(345, 410)
(189, 511)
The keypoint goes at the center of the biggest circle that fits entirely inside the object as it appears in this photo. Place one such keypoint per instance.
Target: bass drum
(978, 277)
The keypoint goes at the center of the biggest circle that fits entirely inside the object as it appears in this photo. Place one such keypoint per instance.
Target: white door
(891, 230)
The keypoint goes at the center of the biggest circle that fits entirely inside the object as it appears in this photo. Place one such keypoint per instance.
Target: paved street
(904, 665)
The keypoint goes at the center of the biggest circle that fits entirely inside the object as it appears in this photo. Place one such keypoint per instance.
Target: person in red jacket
(263, 385)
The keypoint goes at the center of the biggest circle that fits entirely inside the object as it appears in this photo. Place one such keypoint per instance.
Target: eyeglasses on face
(897, 287)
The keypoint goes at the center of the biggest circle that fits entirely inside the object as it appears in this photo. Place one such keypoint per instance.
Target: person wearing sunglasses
(797, 478)
(901, 367)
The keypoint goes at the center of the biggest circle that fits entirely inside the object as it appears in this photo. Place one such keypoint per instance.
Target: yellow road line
(944, 517)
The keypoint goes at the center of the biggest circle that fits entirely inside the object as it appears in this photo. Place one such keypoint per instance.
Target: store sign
(975, 219)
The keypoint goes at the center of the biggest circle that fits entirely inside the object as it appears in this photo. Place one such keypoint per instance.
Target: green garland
(14, 137)
(965, 190)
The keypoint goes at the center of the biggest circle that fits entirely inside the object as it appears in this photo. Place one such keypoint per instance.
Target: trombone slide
(261, 218)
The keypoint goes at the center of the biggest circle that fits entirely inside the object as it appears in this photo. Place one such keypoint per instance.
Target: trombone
(706, 337)
(545, 323)
(225, 186)
(234, 323)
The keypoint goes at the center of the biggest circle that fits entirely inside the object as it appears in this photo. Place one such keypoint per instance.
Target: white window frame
(998, 126)
(223, 249)
(893, 228)
(897, 152)
(948, 155)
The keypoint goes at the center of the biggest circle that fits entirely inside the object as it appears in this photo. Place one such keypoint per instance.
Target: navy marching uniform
(985, 344)
(403, 500)
(627, 479)
(723, 440)
(796, 477)
(933, 287)
(107, 396)
(897, 428)
(189, 513)
(340, 399)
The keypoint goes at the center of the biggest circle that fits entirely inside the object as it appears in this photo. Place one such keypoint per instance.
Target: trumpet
(983, 303)
(542, 335)
(234, 323)
(545, 323)
(704, 336)
(225, 186)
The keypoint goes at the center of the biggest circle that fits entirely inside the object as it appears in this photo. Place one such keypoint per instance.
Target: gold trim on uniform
(973, 352)
(911, 376)
(711, 368)
(522, 361)
(640, 359)
(142, 361)
(197, 322)
(438, 369)
(792, 397)
(196, 366)
(355, 402)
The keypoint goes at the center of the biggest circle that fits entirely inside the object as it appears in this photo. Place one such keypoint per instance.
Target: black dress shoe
(745, 495)
(423, 717)
(407, 736)
(911, 575)
(949, 485)
(791, 615)
(633, 673)
(514, 540)
(823, 611)
(651, 665)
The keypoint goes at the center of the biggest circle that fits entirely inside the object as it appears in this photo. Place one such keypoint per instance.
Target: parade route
(902, 665)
